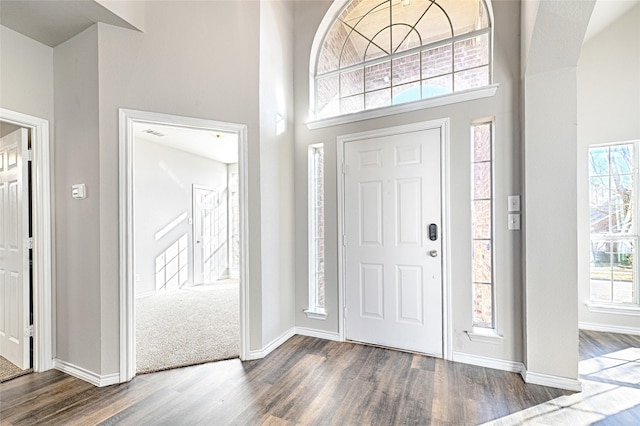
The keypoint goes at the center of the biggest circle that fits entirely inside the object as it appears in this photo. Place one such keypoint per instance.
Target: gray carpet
(9, 371)
(189, 326)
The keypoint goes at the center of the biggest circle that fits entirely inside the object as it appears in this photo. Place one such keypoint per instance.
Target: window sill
(467, 95)
(317, 315)
(633, 310)
(484, 335)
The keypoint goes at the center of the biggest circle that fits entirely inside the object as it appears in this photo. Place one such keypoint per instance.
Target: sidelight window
(316, 232)
(482, 225)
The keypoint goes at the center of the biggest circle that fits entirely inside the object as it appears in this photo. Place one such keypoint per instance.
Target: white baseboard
(483, 361)
(609, 328)
(261, 353)
(518, 367)
(86, 375)
(310, 332)
(553, 381)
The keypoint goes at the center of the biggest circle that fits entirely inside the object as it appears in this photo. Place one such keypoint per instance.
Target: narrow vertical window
(613, 230)
(482, 225)
(316, 232)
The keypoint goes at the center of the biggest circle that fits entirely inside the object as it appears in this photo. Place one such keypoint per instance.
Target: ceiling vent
(153, 132)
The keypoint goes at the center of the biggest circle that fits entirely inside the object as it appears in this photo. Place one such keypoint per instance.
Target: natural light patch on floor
(611, 394)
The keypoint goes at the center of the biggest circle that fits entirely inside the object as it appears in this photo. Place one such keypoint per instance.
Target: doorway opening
(25, 239)
(393, 215)
(183, 234)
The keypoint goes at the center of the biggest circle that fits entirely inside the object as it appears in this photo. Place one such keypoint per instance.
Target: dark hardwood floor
(305, 381)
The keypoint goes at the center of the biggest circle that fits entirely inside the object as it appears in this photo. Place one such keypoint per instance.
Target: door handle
(433, 253)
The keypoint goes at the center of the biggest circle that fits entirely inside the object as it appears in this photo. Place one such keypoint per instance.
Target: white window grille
(382, 53)
(613, 201)
(482, 225)
(316, 230)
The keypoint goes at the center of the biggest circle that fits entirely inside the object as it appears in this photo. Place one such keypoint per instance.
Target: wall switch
(514, 221)
(514, 203)
(79, 191)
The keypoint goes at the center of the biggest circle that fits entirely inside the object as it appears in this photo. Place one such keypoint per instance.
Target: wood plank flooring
(305, 381)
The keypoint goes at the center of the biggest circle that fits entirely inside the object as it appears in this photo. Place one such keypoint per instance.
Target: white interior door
(14, 255)
(393, 288)
(210, 234)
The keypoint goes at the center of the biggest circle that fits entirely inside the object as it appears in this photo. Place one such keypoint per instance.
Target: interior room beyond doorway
(186, 246)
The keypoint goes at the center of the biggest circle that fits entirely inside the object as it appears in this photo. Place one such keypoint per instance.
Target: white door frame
(42, 236)
(443, 126)
(127, 119)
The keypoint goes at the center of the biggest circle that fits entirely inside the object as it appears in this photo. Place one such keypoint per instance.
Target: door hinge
(30, 155)
(344, 240)
(30, 243)
(345, 312)
(28, 331)
(344, 169)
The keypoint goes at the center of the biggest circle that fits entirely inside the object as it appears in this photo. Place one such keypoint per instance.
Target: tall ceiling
(52, 22)
(606, 12)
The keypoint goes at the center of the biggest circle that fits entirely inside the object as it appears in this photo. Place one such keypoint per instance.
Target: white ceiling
(605, 13)
(218, 146)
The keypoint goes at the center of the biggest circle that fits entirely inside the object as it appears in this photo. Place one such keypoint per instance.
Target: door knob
(433, 253)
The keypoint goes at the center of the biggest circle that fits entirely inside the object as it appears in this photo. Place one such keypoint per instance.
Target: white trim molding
(632, 310)
(86, 375)
(42, 236)
(608, 328)
(519, 367)
(490, 336)
(463, 96)
(317, 315)
(487, 362)
(275, 344)
(443, 126)
(574, 385)
(328, 20)
(127, 119)
(326, 335)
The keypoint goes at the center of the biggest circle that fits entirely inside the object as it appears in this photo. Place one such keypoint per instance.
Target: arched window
(379, 53)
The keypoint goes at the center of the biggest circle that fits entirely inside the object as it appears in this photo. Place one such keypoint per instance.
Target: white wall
(550, 146)
(189, 62)
(77, 244)
(276, 168)
(505, 107)
(164, 179)
(608, 111)
(26, 75)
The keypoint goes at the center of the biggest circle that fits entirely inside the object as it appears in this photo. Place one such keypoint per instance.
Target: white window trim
(615, 309)
(332, 14)
(313, 312)
(462, 96)
(483, 333)
(632, 309)
(318, 314)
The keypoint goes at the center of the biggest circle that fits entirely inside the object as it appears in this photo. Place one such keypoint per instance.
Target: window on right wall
(482, 225)
(613, 201)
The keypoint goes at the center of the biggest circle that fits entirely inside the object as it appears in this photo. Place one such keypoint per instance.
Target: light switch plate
(514, 221)
(79, 191)
(514, 203)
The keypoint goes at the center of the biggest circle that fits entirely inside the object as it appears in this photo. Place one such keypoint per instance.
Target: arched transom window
(379, 53)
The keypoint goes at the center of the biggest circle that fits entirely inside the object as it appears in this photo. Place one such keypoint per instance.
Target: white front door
(393, 263)
(14, 255)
